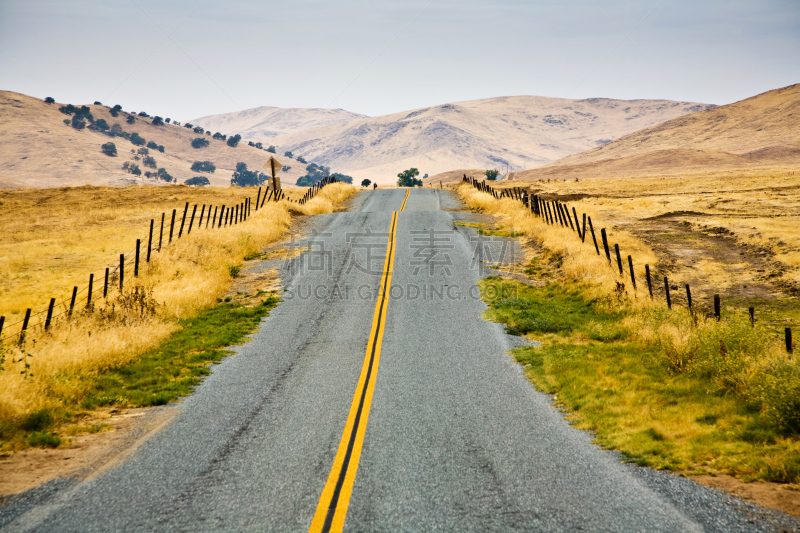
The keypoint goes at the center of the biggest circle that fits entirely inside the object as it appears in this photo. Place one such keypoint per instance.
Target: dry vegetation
(56, 237)
(670, 388)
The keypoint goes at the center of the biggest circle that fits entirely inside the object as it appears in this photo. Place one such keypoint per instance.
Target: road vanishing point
(376, 398)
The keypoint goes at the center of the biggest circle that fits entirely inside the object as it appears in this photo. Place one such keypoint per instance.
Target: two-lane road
(374, 398)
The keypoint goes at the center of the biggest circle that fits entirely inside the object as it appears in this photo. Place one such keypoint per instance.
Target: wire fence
(554, 212)
(114, 277)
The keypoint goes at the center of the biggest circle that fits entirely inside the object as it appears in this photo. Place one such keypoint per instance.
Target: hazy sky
(187, 58)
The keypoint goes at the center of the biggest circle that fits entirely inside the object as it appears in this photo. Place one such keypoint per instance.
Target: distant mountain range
(513, 132)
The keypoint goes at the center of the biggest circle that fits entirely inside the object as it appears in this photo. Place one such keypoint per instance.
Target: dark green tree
(50, 100)
(366, 183)
(137, 139)
(198, 129)
(144, 114)
(148, 161)
(203, 166)
(114, 112)
(97, 103)
(233, 141)
(110, 149)
(408, 178)
(161, 148)
(199, 142)
(271, 149)
(342, 177)
(78, 123)
(167, 120)
(164, 175)
(101, 124)
(131, 119)
(491, 175)
(246, 178)
(198, 181)
(288, 154)
(158, 121)
(117, 107)
(300, 159)
(152, 145)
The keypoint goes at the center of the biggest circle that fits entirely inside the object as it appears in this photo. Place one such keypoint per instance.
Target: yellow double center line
(402, 207)
(332, 507)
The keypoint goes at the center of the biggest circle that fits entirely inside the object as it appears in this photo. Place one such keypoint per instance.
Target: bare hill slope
(521, 131)
(38, 150)
(763, 130)
(272, 121)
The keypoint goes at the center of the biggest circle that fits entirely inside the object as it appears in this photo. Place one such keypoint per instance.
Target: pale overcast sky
(187, 58)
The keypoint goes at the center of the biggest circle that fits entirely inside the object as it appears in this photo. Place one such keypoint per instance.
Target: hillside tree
(491, 175)
(408, 178)
(366, 183)
(110, 149)
(233, 141)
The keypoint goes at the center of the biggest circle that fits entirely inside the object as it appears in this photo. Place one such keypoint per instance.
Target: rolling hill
(260, 122)
(519, 131)
(763, 130)
(38, 150)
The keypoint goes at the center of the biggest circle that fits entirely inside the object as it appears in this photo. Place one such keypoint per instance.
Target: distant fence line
(554, 212)
(229, 215)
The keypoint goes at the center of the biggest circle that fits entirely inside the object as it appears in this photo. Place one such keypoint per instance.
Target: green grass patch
(623, 388)
(157, 377)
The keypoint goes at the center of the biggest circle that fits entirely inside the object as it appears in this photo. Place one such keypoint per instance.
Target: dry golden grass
(579, 260)
(67, 233)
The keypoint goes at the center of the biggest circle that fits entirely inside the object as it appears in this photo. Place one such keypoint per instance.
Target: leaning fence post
(202, 214)
(24, 326)
(788, 335)
(605, 244)
(121, 270)
(191, 222)
(221, 215)
(72, 302)
(569, 217)
(633, 277)
(619, 259)
(183, 220)
(161, 233)
(150, 240)
(583, 232)
(136, 263)
(258, 198)
(105, 286)
(49, 314)
(89, 296)
(688, 296)
(716, 307)
(666, 290)
(2, 321)
(649, 283)
(171, 226)
(594, 239)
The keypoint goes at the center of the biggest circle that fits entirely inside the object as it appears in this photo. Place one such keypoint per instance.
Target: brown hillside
(761, 131)
(453, 176)
(38, 150)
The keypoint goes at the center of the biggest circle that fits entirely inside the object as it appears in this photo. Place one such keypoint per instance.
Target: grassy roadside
(668, 388)
(158, 376)
(45, 380)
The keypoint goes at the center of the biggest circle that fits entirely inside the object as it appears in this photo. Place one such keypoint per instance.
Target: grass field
(57, 237)
(669, 388)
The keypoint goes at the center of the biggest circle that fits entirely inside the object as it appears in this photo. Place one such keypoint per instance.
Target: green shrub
(158, 121)
(44, 440)
(131, 119)
(78, 123)
(164, 175)
(101, 124)
(233, 141)
(49, 100)
(137, 139)
(97, 103)
(203, 166)
(38, 420)
(148, 161)
(234, 272)
(152, 145)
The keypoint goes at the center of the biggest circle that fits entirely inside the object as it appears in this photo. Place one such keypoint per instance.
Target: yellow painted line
(335, 498)
(403, 207)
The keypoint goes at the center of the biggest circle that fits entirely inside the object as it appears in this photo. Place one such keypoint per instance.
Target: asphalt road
(448, 435)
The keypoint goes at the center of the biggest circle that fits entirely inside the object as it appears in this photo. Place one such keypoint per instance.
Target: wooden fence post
(49, 314)
(605, 244)
(183, 220)
(688, 296)
(2, 321)
(594, 239)
(161, 233)
(105, 286)
(788, 336)
(717, 310)
(258, 198)
(619, 259)
(214, 220)
(24, 326)
(89, 296)
(221, 214)
(202, 214)
(752, 311)
(171, 226)
(136, 263)
(569, 217)
(121, 271)
(633, 277)
(72, 302)
(150, 240)
(666, 289)
(649, 283)
(191, 222)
